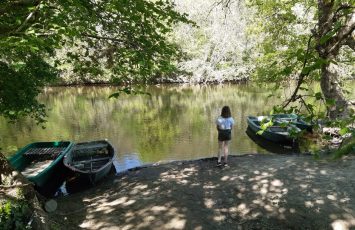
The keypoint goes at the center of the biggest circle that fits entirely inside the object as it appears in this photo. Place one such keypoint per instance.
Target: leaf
(260, 132)
(330, 34)
(300, 54)
(344, 131)
(287, 71)
(306, 70)
(318, 96)
(330, 102)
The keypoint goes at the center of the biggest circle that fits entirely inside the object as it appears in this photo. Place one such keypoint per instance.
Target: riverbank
(169, 82)
(77, 82)
(254, 192)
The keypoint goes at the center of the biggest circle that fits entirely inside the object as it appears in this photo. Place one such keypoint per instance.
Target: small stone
(51, 205)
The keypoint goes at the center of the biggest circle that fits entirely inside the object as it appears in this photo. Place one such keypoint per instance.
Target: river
(171, 123)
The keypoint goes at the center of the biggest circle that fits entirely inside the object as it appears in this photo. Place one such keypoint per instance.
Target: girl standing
(224, 124)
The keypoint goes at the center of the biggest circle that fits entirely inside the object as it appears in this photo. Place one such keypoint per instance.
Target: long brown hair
(226, 112)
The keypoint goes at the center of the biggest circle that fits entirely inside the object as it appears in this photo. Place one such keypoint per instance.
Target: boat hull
(20, 161)
(86, 162)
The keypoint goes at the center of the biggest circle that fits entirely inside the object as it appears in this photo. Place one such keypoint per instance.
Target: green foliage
(348, 148)
(296, 46)
(264, 125)
(124, 38)
(20, 83)
(290, 46)
(14, 215)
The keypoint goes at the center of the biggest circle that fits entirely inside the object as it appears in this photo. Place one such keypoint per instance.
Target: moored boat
(273, 133)
(38, 161)
(91, 160)
(271, 146)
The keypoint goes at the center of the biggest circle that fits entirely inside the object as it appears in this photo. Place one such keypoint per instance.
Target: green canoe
(274, 133)
(39, 160)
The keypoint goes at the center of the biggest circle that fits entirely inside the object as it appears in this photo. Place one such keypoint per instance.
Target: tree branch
(342, 7)
(305, 105)
(301, 76)
(343, 33)
(102, 37)
(28, 18)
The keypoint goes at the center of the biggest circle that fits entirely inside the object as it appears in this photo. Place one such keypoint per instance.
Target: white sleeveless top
(225, 123)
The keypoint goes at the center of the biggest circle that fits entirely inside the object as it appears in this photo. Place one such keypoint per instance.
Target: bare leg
(220, 149)
(226, 150)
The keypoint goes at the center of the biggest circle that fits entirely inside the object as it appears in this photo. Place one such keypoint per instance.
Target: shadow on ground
(255, 192)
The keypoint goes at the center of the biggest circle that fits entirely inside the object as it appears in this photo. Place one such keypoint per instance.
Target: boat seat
(43, 151)
(92, 146)
(91, 160)
(277, 129)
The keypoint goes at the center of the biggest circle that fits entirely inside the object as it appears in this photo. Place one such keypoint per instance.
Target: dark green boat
(90, 160)
(39, 160)
(273, 133)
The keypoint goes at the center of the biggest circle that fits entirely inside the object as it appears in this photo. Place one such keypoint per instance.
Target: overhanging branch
(301, 76)
(343, 33)
(28, 18)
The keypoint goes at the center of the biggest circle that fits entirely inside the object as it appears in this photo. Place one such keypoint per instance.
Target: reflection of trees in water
(172, 118)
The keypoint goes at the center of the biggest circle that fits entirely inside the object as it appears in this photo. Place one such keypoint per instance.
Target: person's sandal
(226, 165)
(219, 164)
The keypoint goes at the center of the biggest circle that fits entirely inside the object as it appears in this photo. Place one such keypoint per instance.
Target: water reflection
(174, 123)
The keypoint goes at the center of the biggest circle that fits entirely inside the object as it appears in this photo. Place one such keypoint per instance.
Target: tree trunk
(329, 50)
(332, 91)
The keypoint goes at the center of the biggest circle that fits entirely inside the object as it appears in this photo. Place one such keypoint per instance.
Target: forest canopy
(126, 39)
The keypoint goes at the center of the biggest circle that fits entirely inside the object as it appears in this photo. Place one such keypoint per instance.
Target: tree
(307, 40)
(216, 48)
(128, 38)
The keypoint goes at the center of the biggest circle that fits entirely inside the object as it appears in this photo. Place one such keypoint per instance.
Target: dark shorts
(224, 135)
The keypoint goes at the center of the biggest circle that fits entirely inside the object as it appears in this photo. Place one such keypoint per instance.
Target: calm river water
(172, 123)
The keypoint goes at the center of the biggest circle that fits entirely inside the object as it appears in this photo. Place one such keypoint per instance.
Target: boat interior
(38, 159)
(91, 157)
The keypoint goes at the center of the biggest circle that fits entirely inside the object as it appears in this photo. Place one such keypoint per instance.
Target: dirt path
(255, 192)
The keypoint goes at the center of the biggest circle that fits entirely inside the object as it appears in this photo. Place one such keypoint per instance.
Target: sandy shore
(255, 192)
